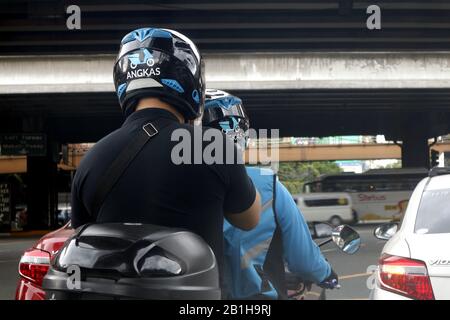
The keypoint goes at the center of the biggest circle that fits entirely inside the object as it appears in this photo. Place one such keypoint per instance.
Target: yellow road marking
(336, 249)
(312, 293)
(356, 275)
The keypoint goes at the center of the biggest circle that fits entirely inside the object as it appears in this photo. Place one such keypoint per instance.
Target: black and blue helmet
(226, 112)
(160, 63)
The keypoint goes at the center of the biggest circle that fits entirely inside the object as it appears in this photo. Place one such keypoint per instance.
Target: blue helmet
(160, 63)
(225, 112)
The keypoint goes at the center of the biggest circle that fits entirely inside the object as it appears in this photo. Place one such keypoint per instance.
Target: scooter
(345, 238)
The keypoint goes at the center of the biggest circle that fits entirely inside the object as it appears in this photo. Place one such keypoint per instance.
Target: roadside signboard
(5, 207)
(23, 144)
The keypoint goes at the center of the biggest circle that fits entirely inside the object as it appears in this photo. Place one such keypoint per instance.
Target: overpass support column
(42, 190)
(415, 150)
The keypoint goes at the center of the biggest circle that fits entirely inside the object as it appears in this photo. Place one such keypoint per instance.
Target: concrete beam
(13, 164)
(345, 152)
(341, 152)
(252, 71)
(291, 153)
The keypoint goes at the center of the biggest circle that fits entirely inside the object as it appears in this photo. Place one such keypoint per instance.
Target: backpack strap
(109, 179)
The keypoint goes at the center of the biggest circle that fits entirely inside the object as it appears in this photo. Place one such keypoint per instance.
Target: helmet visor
(214, 113)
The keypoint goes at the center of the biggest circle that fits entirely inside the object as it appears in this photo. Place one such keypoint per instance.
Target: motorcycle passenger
(255, 260)
(159, 81)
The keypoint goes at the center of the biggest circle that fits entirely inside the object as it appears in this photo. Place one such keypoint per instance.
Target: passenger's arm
(300, 251)
(242, 205)
(247, 219)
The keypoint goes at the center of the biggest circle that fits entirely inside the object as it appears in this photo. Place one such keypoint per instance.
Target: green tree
(294, 174)
(395, 165)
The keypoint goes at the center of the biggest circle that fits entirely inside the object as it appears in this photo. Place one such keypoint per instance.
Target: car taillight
(34, 265)
(405, 276)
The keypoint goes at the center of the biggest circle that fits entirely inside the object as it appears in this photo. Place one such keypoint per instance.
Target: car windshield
(434, 212)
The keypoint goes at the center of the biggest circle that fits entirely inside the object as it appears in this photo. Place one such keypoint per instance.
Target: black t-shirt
(155, 190)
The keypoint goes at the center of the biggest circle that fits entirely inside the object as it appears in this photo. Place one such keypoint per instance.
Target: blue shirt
(246, 250)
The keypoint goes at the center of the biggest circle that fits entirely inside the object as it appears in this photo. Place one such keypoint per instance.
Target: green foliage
(294, 174)
(395, 165)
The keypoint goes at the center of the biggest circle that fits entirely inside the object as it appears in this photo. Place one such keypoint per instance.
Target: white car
(333, 207)
(415, 262)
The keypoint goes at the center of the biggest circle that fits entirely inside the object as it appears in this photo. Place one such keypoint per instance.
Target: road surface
(352, 269)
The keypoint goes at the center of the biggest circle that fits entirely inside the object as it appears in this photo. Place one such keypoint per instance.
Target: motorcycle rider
(159, 80)
(255, 260)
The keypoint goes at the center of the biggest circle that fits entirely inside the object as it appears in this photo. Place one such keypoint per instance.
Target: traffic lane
(351, 269)
(10, 252)
(354, 270)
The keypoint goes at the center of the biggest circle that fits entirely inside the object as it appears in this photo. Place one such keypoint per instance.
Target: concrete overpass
(366, 151)
(345, 83)
(308, 68)
(251, 71)
(39, 27)
(404, 96)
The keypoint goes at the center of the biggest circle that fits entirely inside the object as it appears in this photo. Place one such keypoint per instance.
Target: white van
(332, 207)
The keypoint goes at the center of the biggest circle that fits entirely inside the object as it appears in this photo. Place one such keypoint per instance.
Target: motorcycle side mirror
(385, 231)
(346, 238)
(321, 230)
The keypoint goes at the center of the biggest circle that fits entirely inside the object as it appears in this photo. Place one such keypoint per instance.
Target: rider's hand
(331, 282)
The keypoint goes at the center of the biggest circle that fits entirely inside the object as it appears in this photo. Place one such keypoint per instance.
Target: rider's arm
(301, 252)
